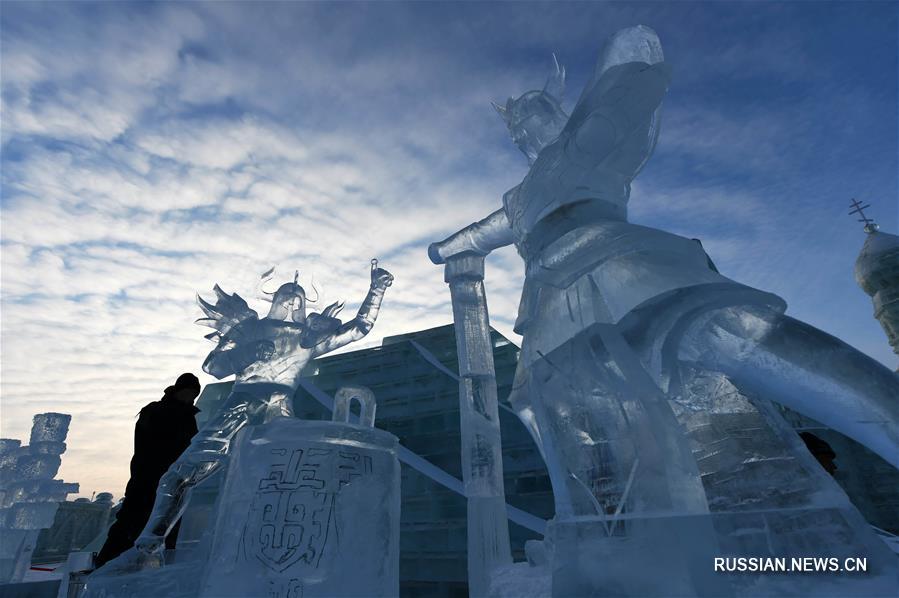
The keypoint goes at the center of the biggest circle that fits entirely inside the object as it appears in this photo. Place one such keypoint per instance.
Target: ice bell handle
(344, 397)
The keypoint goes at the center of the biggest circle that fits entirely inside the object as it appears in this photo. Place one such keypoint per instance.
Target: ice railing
(423, 466)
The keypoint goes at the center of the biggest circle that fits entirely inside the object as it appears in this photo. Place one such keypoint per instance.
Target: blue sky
(152, 150)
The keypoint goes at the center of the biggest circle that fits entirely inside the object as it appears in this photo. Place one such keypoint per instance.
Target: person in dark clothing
(821, 450)
(164, 429)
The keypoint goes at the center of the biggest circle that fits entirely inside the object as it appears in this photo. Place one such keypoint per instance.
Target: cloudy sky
(152, 150)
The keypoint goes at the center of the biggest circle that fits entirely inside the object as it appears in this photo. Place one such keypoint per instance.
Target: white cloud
(165, 148)
(72, 76)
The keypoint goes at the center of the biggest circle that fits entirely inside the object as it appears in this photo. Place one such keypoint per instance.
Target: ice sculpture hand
(132, 560)
(479, 238)
(381, 278)
(149, 544)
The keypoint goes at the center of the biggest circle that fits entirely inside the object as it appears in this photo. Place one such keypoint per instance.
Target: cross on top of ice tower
(870, 225)
(877, 273)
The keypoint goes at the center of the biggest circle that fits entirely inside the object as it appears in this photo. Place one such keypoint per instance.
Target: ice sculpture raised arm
(359, 326)
(479, 238)
(266, 356)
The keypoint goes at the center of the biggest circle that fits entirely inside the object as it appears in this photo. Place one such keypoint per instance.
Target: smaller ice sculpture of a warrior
(266, 356)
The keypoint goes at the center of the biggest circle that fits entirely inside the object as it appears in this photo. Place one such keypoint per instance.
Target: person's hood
(168, 397)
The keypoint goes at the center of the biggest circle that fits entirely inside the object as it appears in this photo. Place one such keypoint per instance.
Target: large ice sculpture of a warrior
(621, 321)
(266, 356)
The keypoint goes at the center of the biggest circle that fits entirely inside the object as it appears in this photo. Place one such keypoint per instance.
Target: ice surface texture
(266, 356)
(627, 330)
(29, 496)
(50, 427)
(308, 509)
(482, 458)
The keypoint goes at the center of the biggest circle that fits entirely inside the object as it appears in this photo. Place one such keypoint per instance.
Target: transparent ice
(646, 376)
(266, 356)
(482, 458)
(29, 496)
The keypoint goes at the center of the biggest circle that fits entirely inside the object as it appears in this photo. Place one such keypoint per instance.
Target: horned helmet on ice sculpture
(289, 303)
(535, 118)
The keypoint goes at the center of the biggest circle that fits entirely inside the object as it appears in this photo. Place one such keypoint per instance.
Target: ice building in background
(877, 273)
(29, 496)
(414, 378)
(871, 482)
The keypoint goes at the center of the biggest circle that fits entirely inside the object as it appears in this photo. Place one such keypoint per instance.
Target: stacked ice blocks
(29, 496)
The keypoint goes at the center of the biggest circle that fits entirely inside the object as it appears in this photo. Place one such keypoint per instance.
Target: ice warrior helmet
(536, 118)
(289, 302)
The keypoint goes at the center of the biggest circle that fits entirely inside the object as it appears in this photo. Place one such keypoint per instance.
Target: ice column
(29, 496)
(482, 459)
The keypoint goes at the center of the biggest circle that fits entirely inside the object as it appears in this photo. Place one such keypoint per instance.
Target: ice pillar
(29, 496)
(482, 458)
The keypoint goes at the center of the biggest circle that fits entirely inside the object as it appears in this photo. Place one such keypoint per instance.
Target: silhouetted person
(164, 429)
(821, 451)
